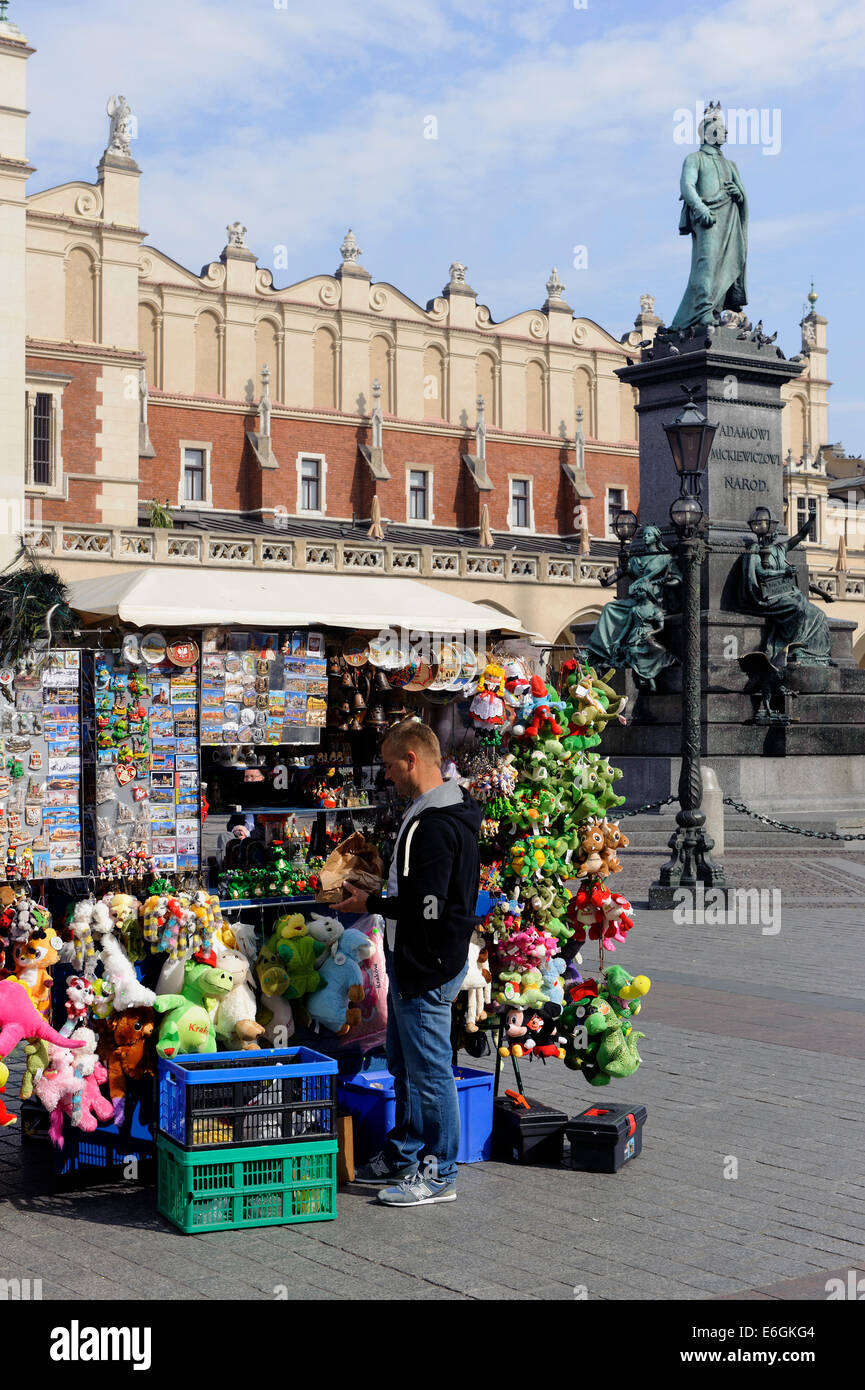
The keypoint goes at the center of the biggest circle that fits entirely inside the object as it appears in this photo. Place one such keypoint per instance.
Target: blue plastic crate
(369, 1097)
(127, 1153)
(210, 1100)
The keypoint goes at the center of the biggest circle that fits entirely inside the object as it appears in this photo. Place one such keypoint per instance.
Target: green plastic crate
(228, 1189)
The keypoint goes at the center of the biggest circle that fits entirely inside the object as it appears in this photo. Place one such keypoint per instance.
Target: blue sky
(555, 129)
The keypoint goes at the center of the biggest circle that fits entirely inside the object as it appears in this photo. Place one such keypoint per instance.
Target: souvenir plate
(183, 652)
(386, 653)
(130, 649)
(449, 666)
(153, 648)
(355, 649)
(400, 678)
(423, 677)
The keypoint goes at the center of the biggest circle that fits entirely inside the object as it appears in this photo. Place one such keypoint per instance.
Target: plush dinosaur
(188, 1023)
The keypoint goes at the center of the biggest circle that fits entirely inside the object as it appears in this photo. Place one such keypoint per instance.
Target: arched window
(207, 356)
(80, 296)
(147, 342)
(485, 385)
(324, 369)
(267, 352)
(536, 406)
(583, 397)
(434, 405)
(379, 369)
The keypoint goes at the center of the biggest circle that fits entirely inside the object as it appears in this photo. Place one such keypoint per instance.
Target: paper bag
(355, 860)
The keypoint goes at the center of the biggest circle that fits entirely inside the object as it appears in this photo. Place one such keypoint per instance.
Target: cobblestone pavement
(754, 1060)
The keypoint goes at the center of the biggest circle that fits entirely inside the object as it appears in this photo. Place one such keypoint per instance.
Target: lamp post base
(692, 899)
(690, 873)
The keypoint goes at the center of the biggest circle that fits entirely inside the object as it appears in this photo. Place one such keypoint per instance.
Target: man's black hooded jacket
(438, 874)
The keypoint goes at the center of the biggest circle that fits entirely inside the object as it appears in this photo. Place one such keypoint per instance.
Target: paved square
(754, 1063)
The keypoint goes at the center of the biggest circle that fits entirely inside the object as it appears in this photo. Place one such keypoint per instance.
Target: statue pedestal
(810, 764)
(800, 752)
(737, 385)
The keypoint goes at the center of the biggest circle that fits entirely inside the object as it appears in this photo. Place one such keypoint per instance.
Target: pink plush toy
(19, 1020)
(528, 949)
(59, 1089)
(70, 1086)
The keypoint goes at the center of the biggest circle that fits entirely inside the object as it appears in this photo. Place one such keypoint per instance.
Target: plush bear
(125, 1047)
(342, 981)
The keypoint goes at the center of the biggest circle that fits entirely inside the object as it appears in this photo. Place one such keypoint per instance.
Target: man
(715, 214)
(430, 913)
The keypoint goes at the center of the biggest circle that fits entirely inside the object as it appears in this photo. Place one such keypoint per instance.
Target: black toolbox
(533, 1135)
(606, 1137)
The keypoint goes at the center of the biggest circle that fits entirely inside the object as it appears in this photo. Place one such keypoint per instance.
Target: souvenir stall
(190, 781)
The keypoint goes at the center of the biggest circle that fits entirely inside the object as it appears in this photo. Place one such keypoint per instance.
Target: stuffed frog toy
(188, 1024)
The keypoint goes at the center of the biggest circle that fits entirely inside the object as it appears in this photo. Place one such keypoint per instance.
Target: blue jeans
(419, 1059)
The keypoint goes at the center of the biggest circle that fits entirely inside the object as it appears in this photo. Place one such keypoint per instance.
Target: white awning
(175, 596)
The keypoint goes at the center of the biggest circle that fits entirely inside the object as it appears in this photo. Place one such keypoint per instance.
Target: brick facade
(238, 483)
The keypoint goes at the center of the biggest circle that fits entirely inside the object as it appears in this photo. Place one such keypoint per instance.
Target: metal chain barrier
(640, 810)
(792, 829)
(746, 811)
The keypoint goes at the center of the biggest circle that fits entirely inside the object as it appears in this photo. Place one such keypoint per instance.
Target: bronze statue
(769, 586)
(715, 214)
(626, 632)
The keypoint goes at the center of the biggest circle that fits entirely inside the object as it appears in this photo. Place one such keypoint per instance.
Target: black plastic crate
(536, 1135)
(241, 1098)
(606, 1137)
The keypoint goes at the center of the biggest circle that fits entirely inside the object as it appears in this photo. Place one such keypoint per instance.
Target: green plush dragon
(600, 1041)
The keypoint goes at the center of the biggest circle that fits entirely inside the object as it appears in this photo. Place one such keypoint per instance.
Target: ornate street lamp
(625, 527)
(690, 439)
(690, 862)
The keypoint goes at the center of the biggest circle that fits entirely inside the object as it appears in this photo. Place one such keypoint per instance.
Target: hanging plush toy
(33, 961)
(487, 709)
(336, 1005)
(126, 1049)
(543, 702)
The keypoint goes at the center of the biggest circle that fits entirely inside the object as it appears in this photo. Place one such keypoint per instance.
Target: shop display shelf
(247, 1098)
(369, 1098)
(262, 902)
(231, 1188)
